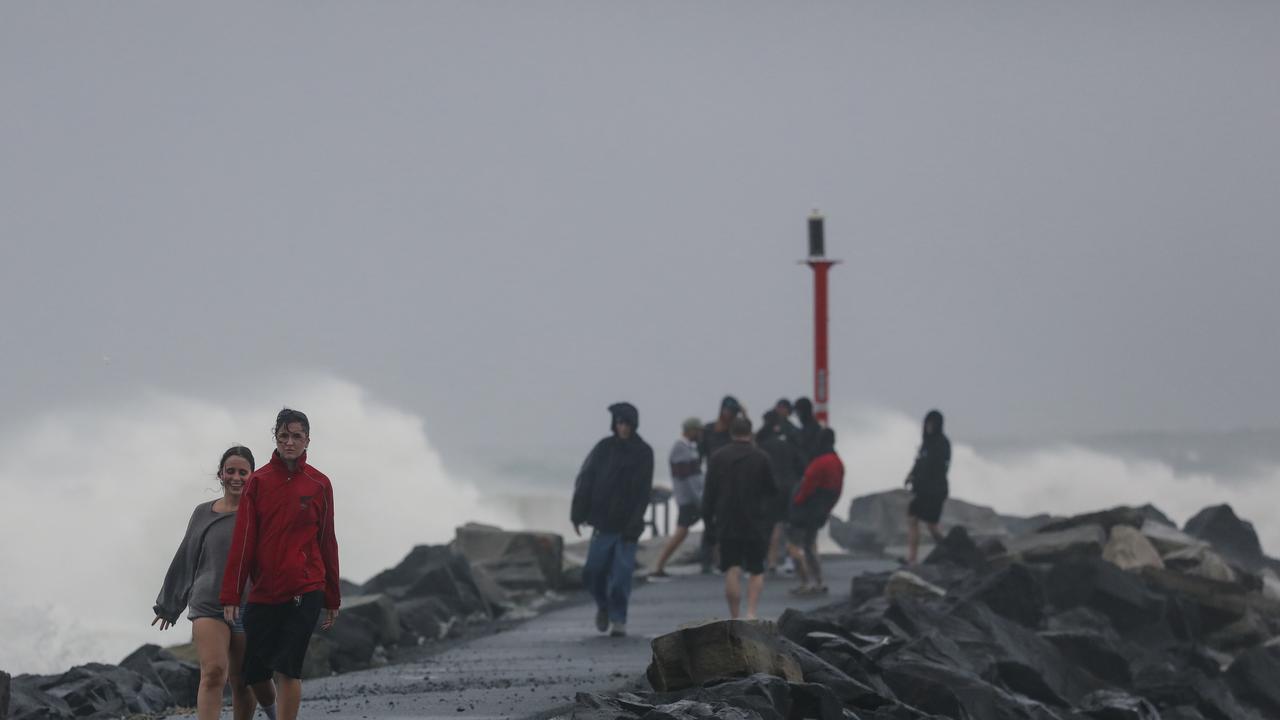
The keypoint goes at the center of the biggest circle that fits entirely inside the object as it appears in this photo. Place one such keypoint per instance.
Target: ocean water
(97, 498)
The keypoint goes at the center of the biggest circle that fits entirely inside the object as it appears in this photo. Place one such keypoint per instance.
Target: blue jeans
(607, 574)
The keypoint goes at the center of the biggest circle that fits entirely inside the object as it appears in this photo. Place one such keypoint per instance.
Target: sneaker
(820, 590)
(618, 630)
(602, 620)
(800, 590)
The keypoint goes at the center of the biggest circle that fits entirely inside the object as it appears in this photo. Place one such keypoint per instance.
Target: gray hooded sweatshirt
(195, 575)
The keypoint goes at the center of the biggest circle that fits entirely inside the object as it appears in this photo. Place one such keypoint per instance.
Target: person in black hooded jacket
(809, 428)
(928, 481)
(611, 495)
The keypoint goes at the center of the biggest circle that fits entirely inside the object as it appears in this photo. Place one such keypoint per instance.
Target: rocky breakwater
(435, 592)
(1115, 615)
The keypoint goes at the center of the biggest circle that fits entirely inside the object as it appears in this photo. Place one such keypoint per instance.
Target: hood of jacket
(623, 412)
(936, 417)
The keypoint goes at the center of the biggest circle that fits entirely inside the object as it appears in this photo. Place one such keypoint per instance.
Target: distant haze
(455, 232)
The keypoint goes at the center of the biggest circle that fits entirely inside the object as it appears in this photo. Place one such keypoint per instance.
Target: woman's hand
(329, 617)
(164, 624)
(231, 613)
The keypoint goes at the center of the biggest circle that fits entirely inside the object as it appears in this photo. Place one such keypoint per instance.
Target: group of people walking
(762, 495)
(257, 567)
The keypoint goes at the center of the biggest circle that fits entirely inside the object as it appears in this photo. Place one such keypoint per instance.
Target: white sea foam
(878, 446)
(96, 501)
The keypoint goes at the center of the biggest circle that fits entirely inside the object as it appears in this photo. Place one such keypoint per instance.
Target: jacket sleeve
(642, 493)
(242, 557)
(710, 494)
(176, 590)
(580, 507)
(329, 554)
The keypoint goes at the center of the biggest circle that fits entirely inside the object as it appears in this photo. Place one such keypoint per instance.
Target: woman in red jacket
(284, 543)
(810, 507)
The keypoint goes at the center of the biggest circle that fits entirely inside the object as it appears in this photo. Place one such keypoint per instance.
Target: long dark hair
(239, 451)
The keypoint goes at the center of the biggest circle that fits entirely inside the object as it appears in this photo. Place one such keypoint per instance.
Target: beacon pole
(821, 266)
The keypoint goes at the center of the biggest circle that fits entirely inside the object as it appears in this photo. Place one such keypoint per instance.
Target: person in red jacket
(810, 507)
(283, 543)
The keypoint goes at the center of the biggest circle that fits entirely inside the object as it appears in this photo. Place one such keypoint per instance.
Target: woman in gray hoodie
(194, 580)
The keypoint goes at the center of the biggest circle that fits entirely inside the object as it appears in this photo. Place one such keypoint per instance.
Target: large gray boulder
(380, 611)
(1128, 549)
(161, 667)
(29, 701)
(1230, 535)
(107, 690)
(1045, 546)
(884, 515)
(433, 571)
(720, 649)
(530, 561)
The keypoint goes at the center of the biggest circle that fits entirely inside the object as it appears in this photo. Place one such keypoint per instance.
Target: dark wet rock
(1097, 584)
(865, 587)
(1015, 591)
(1233, 537)
(319, 659)
(4, 695)
(957, 548)
(855, 538)
(432, 571)
(1255, 678)
(955, 693)
(1116, 705)
(1246, 632)
(161, 667)
(379, 611)
(719, 649)
(427, 618)
(100, 690)
(1024, 525)
(1105, 519)
(1101, 654)
(1056, 545)
(846, 669)
(522, 561)
(353, 640)
(28, 701)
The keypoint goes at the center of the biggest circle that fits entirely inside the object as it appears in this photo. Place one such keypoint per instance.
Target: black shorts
(688, 515)
(746, 554)
(277, 636)
(802, 537)
(927, 506)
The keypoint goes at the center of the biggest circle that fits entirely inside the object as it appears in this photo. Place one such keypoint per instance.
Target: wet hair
(287, 416)
(239, 451)
(740, 427)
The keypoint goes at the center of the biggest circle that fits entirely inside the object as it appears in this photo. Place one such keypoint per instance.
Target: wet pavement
(537, 666)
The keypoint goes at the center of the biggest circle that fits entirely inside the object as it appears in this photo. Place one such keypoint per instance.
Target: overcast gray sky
(1056, 217)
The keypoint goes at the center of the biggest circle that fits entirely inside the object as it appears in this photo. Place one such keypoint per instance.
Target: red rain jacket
(283, 539)
(824, 478)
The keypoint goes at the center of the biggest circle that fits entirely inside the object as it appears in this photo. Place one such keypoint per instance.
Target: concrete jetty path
(538, 665)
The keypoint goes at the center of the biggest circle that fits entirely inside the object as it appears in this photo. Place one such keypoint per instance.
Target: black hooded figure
(809, 428)
(611, 495)
(928, 481)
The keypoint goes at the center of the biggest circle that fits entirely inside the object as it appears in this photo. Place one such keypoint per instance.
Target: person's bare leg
(676, 538)
(797, 556)
(242, 702)
(264, 692)
(212, 637)
(814, 563)
(913, 539)
(776, 544)
(754, 587)
(733, 590)
(936, 532)
(288, 697)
